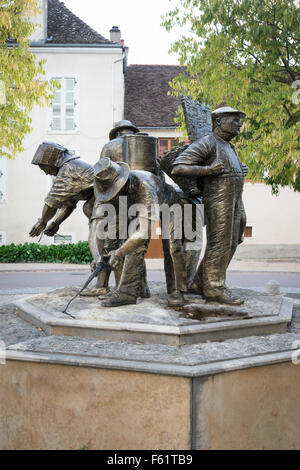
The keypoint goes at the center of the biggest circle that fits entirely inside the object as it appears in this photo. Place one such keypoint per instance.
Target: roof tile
(66, 28)
(147, 103)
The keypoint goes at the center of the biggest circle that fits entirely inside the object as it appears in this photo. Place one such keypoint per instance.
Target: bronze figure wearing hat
(139, 151)
(73, 183)
(112, 181)
(222, 197)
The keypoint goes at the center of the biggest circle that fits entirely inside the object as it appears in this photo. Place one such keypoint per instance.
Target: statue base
(67, 384)
(152, 321)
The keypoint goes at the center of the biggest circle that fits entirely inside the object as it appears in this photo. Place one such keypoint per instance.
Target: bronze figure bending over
(73, 183)
(115, 180)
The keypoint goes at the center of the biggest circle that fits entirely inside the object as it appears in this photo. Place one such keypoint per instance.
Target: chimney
(40, 34)
(115, 34)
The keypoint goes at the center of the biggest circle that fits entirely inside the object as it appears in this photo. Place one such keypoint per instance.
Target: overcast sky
(139, 22)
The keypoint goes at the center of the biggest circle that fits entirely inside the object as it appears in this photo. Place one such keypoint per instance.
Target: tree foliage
(247, 53)
(21, 84)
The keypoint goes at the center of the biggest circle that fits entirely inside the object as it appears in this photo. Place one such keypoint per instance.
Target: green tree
(21, 83)
(247, 53)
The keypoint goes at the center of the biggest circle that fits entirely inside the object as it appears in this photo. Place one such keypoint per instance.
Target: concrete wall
(52, 406)
(45, 406)
(100, 103)
(256, 408)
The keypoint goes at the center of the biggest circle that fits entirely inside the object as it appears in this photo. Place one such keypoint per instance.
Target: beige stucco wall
(99, 72)
(275, 219)
(162, 133)
(45, 406)
(255, 408)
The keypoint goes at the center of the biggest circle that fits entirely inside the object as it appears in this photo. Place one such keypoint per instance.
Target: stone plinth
(162, 381)
(65, 393)
(151, 321)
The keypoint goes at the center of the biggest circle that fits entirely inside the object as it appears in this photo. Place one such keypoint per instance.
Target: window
(62, 239)
(165, 144)
(63, 105)
(248, 232)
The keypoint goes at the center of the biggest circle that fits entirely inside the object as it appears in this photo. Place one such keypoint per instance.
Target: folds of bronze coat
(143, 188)
(224, 211)
(133, 280)
(73, 183)
(150, 191)
(189, 186)
(140, 152)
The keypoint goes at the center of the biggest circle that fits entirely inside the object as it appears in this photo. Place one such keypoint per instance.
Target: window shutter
(69, 104)
(63, 106)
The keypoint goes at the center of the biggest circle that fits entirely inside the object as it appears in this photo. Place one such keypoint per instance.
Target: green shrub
(77, 253)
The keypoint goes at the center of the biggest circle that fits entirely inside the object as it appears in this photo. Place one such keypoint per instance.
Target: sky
(139, 22)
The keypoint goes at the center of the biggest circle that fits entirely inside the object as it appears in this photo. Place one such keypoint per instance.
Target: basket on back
(198, 123)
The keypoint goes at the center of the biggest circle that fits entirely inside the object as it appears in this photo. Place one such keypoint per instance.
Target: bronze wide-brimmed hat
(110, 177)
(227, 110)
(122, 125)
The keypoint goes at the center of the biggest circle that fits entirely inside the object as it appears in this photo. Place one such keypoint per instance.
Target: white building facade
(95, 93)
(90, 69)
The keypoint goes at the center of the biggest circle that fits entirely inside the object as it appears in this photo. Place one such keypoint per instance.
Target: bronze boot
(119, 298)
(175, 299)
(226, 298)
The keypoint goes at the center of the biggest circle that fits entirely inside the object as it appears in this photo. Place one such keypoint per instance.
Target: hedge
(77, 253)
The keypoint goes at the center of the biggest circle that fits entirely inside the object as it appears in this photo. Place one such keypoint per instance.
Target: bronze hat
(227, 110)
(110, 177)
(49, 153)
(122, 125)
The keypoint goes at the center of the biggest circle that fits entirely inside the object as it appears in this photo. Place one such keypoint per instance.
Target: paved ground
(19, 280)
(27, 278)
(274, 265)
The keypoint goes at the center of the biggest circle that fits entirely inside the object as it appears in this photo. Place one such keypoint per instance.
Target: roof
(147, 103)
(66, 28)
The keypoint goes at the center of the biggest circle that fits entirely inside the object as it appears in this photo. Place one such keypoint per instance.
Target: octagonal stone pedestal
(151, 321)
(146, 387)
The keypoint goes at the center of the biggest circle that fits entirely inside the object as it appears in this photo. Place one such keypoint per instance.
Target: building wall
(275, 219)
(99, 72)
(40, 21)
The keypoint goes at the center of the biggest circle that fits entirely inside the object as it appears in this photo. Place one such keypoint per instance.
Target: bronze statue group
(206, 172)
